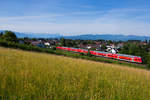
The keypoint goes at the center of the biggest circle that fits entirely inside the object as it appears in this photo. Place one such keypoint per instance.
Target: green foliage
(84, 42)
(103, 47)
(109, 42)
(24, 46)
(89, 54)
(68, 42)
(63, 42)
(34, 39)
(148, 60)
(1, 34)
(90, 42)
(54, 48)
(137, 50)
(9, 36)
(81, 54)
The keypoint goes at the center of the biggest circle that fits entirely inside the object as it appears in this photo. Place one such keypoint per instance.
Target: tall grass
(39, 76)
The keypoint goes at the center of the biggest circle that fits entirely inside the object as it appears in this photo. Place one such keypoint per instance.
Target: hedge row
(24, 46)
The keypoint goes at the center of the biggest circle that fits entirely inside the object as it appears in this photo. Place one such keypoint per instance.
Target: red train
(129, 58)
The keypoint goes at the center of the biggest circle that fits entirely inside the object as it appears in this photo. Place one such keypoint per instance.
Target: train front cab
(137, 59)
(130, 58)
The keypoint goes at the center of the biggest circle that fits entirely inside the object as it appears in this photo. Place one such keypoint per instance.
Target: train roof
(79, 48)
(117, 54)
(101, 52)
(128, 55)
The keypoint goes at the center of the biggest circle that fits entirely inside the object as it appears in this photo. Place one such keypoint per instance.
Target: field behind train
(40, 76)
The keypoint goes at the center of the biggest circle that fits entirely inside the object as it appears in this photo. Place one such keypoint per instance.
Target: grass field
(38, 76)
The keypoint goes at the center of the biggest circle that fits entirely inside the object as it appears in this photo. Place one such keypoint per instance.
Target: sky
(76, 17)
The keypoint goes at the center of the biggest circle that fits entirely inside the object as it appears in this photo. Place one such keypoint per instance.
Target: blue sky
(74, 17)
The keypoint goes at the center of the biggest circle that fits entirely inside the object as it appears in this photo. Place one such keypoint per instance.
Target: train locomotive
(123, 57)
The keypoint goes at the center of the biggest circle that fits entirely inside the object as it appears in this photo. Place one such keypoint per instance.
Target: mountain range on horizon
(113, 37)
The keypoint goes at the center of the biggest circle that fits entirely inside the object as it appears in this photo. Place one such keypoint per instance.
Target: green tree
(84, 42)
(89, 54)
(34, 39)
(109, 42)
(63, 42)
(125, 49)
(148, 60)
(103, 47)
(1, 34)
(9, 36)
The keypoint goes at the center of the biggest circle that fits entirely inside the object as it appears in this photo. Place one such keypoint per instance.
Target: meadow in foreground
(38, 76)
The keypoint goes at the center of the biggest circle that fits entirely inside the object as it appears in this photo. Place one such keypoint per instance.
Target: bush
(9, 36)
(24, 46)
(148, 66)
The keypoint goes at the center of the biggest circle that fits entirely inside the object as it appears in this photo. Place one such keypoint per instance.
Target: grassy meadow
(40, 76)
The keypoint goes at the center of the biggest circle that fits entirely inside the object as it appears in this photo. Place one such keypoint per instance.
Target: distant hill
(35, 35)
(108, 37)
(84, 37)
(38, 35)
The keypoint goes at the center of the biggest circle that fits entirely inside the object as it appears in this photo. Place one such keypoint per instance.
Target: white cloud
(113, 22)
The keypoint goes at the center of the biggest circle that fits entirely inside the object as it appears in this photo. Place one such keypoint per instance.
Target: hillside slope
(38, 76)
